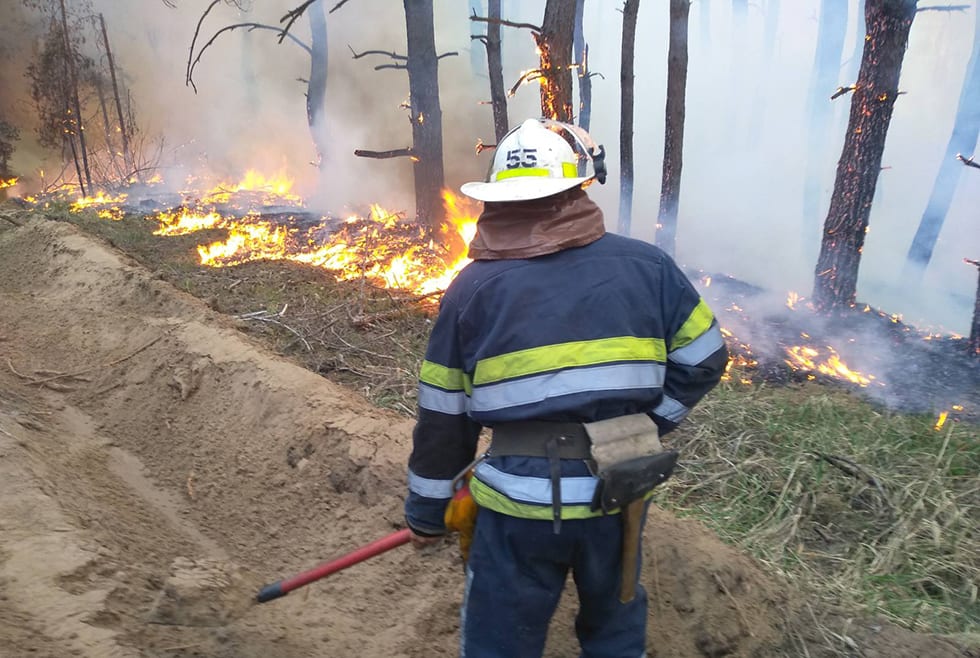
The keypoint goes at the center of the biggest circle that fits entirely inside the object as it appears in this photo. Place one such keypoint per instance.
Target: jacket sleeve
(445, 438)
(696, 350)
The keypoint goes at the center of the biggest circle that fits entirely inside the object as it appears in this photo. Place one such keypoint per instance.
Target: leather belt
(537, 438)
(530, 438)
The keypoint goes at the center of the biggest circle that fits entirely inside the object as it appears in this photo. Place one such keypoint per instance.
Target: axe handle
(632, 515)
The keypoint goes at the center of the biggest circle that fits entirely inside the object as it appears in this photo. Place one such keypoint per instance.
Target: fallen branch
(858, 472)
(75, 375)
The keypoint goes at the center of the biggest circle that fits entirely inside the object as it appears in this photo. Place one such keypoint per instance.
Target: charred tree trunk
(670, 188)
(555, 45)
(966, 128)
(75, 101)
(631, 9)
(498, 93)
(123, 128)
(316, 91)
(975, 327)
(582, 59)
(835, 280)
(425, 112)
(823, 81)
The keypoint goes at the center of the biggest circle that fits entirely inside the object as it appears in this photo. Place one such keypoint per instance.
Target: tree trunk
(966, 128)
(425, 112)
(123, 128)
(498, 94)
(76, 103)
(316, 91)
(670, 188)
(823, 81)
(555, 45)
(835, 280)
(581, 57)
(631, 9)
(975, 327)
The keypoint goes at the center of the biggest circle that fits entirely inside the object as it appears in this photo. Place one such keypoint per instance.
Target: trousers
(515, 576)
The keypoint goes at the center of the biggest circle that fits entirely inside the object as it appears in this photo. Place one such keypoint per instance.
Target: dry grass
(871, 509)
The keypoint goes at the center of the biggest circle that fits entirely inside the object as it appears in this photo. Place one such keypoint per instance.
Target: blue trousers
(514, 579)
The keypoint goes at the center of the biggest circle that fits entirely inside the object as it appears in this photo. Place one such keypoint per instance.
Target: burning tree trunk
(670, 190)
(631, 9)
(966, 128)
(823, 80)
(889, 23)
(316, 90)
(581, 47)
(425, 112)
(8, 135)
(555, 44)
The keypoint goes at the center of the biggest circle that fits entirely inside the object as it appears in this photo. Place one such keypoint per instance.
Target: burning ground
(151, 427)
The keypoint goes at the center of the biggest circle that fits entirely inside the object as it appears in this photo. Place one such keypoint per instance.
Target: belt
(536, 438)
(530, 438)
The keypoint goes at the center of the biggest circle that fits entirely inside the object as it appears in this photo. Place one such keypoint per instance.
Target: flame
(186, 221)
(792, 299)
(381, 248)
(806, 359)
(10, 182)
(941, 421)
(268, 191)
(100, 199)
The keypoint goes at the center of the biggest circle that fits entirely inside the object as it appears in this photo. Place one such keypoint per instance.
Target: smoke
(745, 136)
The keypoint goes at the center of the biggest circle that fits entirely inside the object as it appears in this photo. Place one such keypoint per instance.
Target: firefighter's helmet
(537, 159)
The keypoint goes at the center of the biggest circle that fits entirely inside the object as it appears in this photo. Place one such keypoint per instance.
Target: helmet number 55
(522, 158)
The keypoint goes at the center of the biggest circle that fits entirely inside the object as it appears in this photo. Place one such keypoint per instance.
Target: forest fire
(810, 359)
(9, 182)
(254, 189)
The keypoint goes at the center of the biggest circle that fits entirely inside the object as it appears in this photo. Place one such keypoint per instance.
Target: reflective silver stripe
(428, 487)
(699, 349)
(565, 382)
(436, 399)
(527, 489)
(672, 410)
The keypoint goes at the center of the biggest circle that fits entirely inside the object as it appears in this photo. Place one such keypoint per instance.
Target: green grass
(866, 507)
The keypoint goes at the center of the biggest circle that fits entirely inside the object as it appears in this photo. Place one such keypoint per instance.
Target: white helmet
(539, 158)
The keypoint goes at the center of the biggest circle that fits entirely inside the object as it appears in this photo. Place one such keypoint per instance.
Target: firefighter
(569, 343)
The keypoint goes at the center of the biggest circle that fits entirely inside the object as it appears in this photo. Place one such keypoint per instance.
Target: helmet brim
(519, 189)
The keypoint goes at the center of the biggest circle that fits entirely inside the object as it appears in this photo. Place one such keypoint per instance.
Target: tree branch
(947, 8)
(190, 53)
(506, 23)
(967, 161)
(403, 58)
(292, 16)
(384, 155)
(452, 53)
(841, 91)
(250, 26)
(338, 6)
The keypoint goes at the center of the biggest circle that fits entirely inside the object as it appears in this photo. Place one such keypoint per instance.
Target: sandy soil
(157, 467)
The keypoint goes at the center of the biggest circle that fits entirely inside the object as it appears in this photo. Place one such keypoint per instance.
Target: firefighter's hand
(422, 541)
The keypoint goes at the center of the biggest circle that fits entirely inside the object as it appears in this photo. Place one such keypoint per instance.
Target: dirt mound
(144, 436)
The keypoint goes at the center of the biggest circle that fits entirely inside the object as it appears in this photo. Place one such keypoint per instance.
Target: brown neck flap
(525, 229)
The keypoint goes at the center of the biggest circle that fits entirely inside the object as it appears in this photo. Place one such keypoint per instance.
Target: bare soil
(158, 465)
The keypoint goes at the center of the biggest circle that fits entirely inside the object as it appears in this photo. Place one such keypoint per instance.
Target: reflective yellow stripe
(486, 496)
(569, 170)
(696, 324)
(450, 379)
(523, 171)
(567, 355)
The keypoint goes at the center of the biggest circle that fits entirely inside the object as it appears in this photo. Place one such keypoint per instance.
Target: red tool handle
(377, 547)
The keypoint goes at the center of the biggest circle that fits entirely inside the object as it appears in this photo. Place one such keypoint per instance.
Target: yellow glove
(461, 515)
